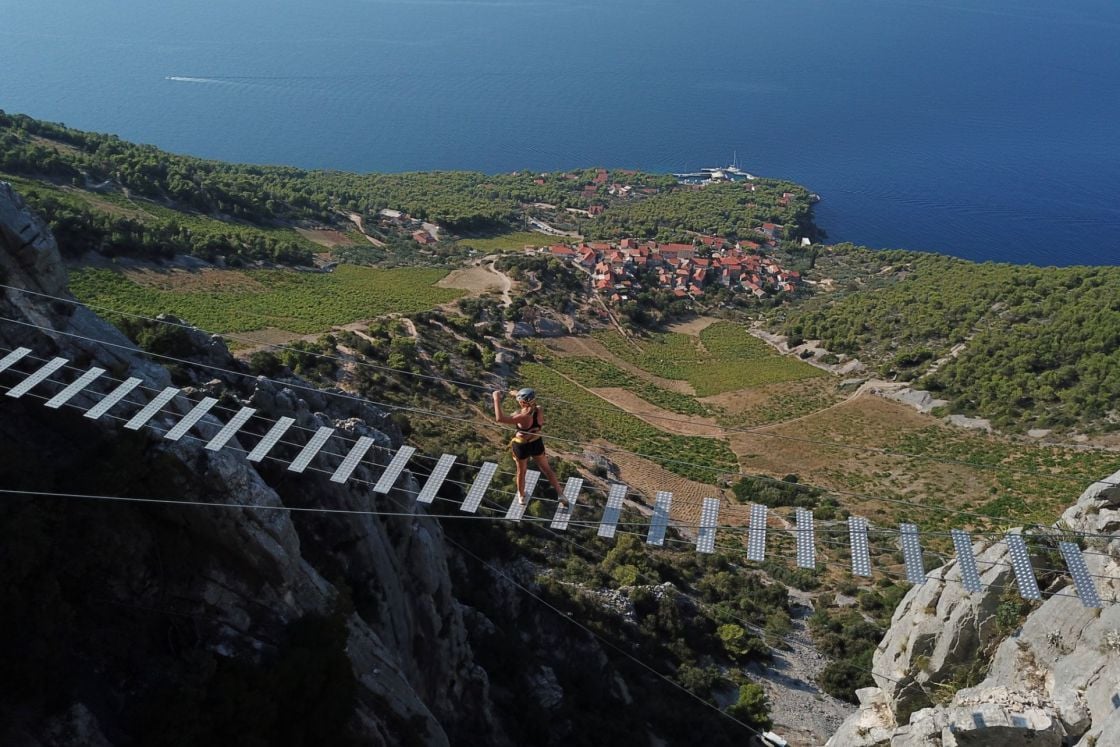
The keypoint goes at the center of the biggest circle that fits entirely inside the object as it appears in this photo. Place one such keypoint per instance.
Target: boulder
(550, 328)
(982, 725)
(871, 726)
(521, 329)
(545, 688)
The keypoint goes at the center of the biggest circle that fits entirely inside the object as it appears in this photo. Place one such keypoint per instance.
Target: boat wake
(190, 79)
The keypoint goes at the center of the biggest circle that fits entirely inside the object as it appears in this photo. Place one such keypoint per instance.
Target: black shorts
(525, 450)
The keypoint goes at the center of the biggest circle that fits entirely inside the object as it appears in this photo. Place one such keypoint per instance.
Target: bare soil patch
(185, 281)
(269, 336)
(327, 237)
(477, 279)
(693, 327)
(670, 422)
(1109, 441)
(589, 346)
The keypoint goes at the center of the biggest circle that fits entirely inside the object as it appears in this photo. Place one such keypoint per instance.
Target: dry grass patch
(865, 422)
(859, 427)
(930, 464)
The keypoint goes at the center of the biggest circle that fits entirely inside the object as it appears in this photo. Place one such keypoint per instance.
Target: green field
(297, 302)
(583, 414)
(724, 358)
(595, 372)
(508, 242)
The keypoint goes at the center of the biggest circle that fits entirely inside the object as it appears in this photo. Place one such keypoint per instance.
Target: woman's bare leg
(522, 466)
(546, 470)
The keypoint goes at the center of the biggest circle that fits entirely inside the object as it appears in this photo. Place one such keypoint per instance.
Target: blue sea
(983, 129)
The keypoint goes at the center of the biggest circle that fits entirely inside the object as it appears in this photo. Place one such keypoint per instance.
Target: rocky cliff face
(129, 622)
(155, 624)
(1053, 680)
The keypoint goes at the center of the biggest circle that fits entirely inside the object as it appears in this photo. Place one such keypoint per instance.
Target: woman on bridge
(527, 443)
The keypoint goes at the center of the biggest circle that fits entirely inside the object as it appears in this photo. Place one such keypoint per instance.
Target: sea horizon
(947, 132)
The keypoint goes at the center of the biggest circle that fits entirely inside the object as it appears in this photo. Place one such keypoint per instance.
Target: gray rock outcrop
(550, 328)
(521, 329)
(242, 576)
(919, 399)
(1055, 680)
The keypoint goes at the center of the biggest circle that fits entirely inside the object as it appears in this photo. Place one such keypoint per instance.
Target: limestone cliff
(130, 622)
(1053, 679)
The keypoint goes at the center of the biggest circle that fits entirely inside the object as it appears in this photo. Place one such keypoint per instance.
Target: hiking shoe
(521, 499)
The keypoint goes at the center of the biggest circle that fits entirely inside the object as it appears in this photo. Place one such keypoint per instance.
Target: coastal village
(620, 269)
(687, 270)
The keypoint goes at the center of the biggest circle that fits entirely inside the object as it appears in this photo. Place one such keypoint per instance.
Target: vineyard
(774, 403)
(587, 415)
(297, 302)
(724, 358)
(595, 372)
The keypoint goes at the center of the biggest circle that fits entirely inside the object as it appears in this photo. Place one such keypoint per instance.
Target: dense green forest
(253, 193)
(113, 226)
(1038, 346)
(731, 209)
(267, 196)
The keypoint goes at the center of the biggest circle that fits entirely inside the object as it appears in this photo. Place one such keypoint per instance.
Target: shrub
(752, 708)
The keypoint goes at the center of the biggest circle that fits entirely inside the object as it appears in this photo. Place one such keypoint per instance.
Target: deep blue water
(978, 128)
